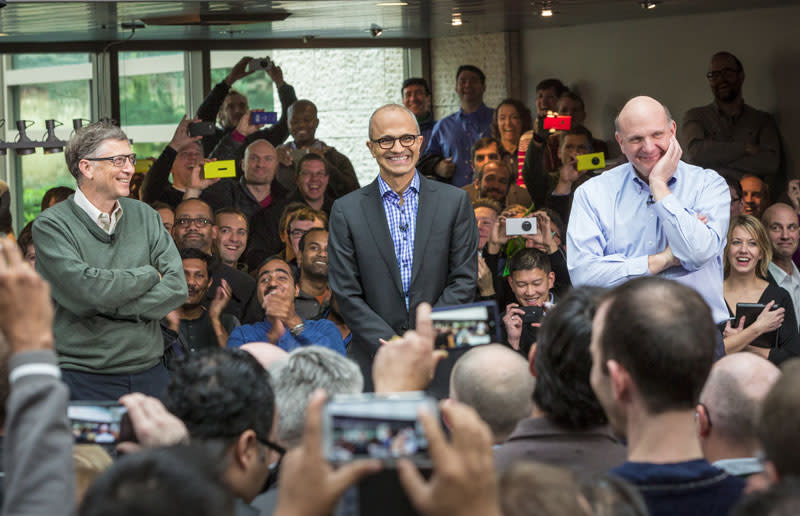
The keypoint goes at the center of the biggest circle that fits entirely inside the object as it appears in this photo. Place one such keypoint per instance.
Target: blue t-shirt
(687, 488)
(316, 333)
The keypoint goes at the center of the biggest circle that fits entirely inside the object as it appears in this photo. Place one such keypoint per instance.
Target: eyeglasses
(117, 161)
(200, 222)
(387, 142)
(298, 233)
(727, 72)
(273, 446)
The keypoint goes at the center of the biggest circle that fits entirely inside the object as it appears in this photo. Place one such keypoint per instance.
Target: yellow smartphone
(142, 166)
(591, 161)
(224, 168)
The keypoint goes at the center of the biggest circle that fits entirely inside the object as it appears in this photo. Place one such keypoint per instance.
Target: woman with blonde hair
(748, 253)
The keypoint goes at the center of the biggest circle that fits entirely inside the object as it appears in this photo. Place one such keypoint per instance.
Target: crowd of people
(646, 313)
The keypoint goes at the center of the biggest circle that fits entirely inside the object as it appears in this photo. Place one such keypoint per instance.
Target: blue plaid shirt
(402, 225)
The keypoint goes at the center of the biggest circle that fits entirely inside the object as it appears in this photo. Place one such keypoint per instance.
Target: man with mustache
(192, 326)
(728, 135)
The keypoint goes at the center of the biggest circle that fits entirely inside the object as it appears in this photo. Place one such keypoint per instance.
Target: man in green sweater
(114, 272)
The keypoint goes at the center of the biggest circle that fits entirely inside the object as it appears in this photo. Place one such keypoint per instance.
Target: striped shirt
(402, 219)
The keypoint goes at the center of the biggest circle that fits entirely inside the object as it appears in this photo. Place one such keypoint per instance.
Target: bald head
(777, 210)
(733, 393)
(260, 163)
(267, 354)
(496, 382)
(639, 108)
(387, 109)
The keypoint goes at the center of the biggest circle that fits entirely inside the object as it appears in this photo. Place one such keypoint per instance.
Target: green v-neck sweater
(109, 291)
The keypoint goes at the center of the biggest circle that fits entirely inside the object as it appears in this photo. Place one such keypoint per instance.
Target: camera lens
(595, 161)
(526, 226)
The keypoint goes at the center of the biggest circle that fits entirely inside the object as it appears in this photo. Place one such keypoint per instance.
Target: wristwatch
(297, 330)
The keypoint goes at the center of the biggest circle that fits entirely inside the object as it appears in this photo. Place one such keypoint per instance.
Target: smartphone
(142, 166)
(224, 168)
(533, 314)
(467, 325)
(559, 123)
(750, 312)
(99, 422)
(591, 161)
(375, 426)
(202, 129)
(263, 117)
(521, 226)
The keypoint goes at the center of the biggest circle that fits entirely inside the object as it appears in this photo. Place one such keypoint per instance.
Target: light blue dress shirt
(615, 225)
(454, 135)
(402, 220)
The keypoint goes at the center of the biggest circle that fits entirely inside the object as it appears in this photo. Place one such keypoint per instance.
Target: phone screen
(96, 423)
(465, 325)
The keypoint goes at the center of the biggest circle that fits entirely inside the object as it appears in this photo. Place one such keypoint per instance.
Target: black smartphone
(201, 129)
(750, 312)
(533, 314)
(467, 325)
(376, 426)
(99, 422)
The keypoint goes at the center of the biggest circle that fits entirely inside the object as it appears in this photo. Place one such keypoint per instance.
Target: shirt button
(650, 243)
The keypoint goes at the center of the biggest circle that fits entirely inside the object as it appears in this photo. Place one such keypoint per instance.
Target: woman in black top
(747, 256)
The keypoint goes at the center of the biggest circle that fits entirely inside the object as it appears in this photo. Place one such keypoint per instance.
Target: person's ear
(296, 290)
(245, 449)
(85, 168)
(619, 139)
(214, 232)
(552, 278)
(532, 360)
(620, 380)
(703, 424)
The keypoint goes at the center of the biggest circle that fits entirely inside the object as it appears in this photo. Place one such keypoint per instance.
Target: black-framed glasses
(716, 74)
(117, 161)
(200, 222)
(387, 142)
(280, 450)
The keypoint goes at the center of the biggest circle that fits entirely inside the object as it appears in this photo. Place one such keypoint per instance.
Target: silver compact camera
(259, 63)
(523, 226)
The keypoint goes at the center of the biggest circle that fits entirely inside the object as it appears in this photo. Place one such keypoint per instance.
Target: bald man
(728, 411)
(303, 123)
(781, 222)
(496, 382)
(397, 242)
(256, 190)
(652, 215)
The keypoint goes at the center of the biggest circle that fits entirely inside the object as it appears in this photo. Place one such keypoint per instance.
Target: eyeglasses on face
(387, 142)
(716, 74)
(117, 161)
(185, 222)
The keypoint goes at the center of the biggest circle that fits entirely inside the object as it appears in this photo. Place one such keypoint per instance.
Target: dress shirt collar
(386, 189)
(645, 186)
(103, 220)
(780, 275)
(461, 114)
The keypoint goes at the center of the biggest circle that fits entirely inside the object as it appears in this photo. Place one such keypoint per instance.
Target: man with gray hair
(495, 381)
(727, 414)
(114, 272)
(296, 377)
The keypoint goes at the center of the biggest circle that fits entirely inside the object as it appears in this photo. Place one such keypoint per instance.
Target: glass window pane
(257, 87)
(152, 98)
(36, 100)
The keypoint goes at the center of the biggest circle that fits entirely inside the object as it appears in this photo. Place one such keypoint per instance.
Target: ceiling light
(456, 20)
(546, 12)
(392, 4)
(3, 34)
(647, 4)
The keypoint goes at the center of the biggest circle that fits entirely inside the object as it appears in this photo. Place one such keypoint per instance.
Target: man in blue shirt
(652, 215)
(453, 135)
(417, 98)
(282, 326)
(652, 347)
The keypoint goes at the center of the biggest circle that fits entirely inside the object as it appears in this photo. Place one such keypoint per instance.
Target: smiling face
(188, 157)
(495, 181)
(416, 99)
(314, 257)
(726, 78)
(102, 181)
(509, 123)
(546, 100)
(275, 275)
(531, 287)
(297, 229)
(743, 251)
(397, 161)
(644, 133)
(197, 280)
(752, 195)
(194, 226)
(312, 180)
(303, 123)
(231, 237)
(469, 87)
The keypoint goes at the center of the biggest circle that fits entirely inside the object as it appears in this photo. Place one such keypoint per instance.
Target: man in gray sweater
(114, 272)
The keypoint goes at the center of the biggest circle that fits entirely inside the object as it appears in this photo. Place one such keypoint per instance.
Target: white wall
(667, 58)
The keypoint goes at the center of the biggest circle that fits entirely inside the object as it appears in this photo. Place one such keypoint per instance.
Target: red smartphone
(559, 123)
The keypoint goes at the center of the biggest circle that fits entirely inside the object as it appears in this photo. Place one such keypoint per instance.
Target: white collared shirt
(107, 223)
(790, 283)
